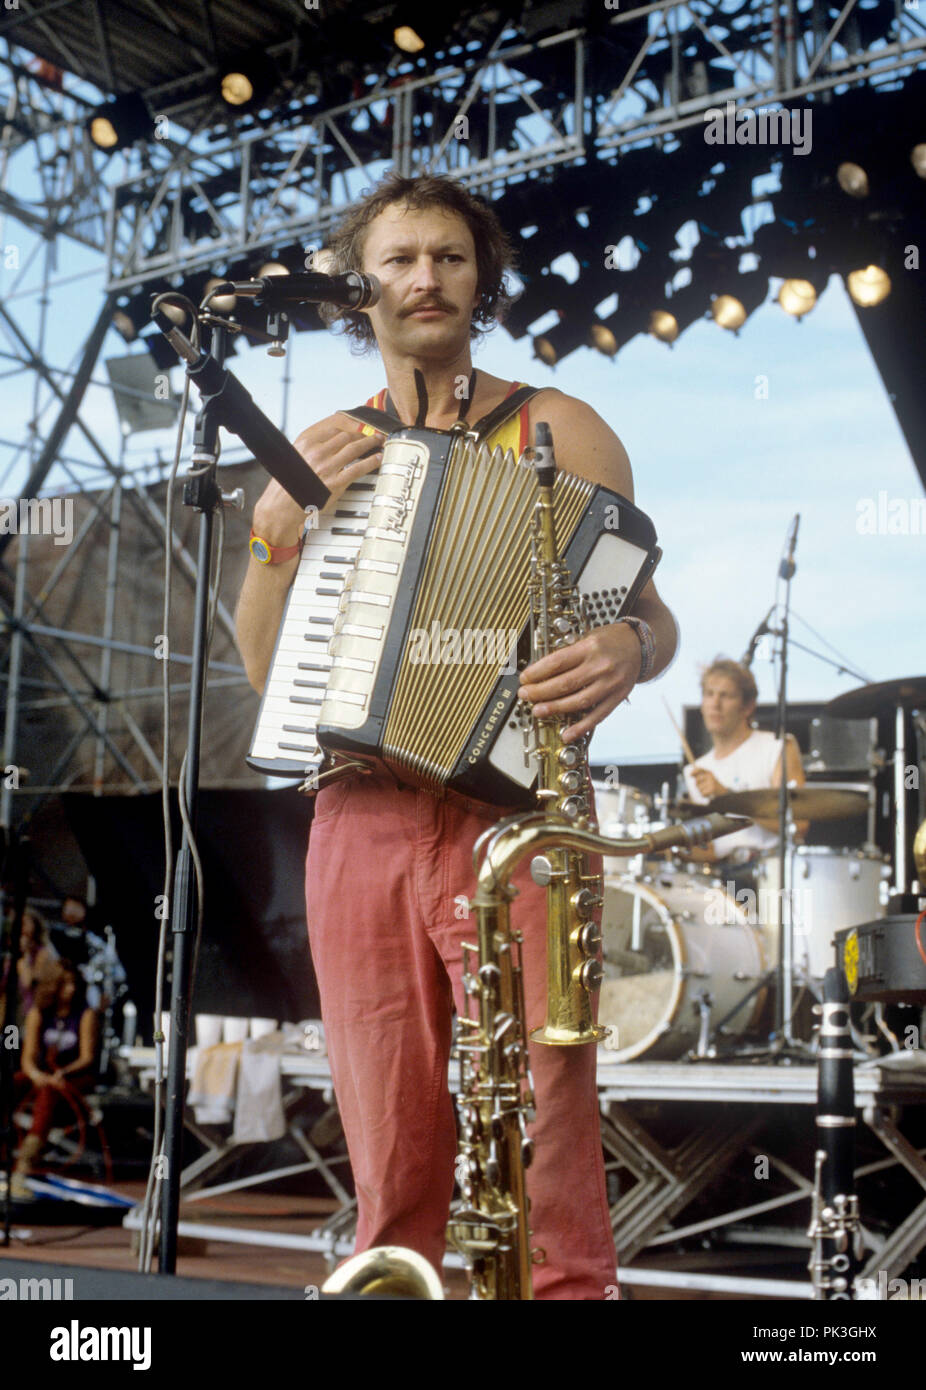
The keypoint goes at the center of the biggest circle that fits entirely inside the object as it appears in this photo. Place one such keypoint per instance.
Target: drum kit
(693, 952)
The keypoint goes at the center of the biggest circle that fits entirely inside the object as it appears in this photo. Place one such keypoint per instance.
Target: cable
(835, 650)
(150, 1217)
(148, 1230)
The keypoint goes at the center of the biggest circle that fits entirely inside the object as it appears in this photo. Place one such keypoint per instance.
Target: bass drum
(830, 889)
(668, 945)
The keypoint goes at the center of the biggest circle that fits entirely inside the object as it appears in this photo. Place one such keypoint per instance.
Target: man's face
(425, 260)
(722, 706)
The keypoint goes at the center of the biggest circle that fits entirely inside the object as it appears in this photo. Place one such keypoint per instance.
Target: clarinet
(835, 1228)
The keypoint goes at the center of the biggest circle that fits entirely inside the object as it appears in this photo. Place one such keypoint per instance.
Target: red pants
(387, 878)
(50, 1102)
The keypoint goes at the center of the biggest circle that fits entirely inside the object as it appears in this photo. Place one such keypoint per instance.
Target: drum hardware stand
(784, 997)
(224, 402)
(783, 1040)
(705, 1005)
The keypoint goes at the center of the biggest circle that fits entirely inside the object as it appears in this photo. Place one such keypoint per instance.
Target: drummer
(741, 759)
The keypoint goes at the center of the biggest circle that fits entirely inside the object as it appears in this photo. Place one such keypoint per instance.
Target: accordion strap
(388, 424)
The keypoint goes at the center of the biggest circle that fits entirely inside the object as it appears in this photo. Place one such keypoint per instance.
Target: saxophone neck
(519, 836)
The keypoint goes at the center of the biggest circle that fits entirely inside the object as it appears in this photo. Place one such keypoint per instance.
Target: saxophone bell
(387, 1271)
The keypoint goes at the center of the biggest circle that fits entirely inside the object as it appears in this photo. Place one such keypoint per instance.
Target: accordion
(408, 616)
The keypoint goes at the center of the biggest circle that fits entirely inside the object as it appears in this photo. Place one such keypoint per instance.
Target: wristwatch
(266, 554)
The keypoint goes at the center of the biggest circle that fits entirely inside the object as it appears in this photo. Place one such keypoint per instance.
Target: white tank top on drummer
(748, 768)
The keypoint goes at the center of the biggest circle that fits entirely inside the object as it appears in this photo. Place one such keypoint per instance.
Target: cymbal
(873, 701)
(807, 803)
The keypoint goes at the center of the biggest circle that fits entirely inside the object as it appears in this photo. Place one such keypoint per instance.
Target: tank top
(750, 767)
(60, 1039)
(513, 433)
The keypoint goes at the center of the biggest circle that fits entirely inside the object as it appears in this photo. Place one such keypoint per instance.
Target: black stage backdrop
(254, 955)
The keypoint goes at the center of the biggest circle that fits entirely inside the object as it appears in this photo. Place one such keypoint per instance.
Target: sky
(729, 436)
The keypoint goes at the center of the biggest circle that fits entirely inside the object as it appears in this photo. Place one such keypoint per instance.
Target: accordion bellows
(400, 642)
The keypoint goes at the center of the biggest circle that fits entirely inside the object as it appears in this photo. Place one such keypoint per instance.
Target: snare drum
(830, 889)
(667, 945)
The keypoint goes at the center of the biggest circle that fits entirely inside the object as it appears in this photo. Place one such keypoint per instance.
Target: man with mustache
(388, 865)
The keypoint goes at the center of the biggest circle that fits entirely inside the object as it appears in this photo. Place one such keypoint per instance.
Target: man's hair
(494, 252)
(740, 675)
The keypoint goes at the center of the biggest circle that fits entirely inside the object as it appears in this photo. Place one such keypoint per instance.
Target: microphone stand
(784, 994)
(201, 492)
(224, 402)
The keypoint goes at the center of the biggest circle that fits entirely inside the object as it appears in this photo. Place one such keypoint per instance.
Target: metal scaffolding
(183, 203)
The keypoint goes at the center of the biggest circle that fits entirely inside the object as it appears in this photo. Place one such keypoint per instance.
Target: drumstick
(686, 746)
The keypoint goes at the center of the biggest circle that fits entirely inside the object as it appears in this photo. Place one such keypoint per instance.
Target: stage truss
(182, 203)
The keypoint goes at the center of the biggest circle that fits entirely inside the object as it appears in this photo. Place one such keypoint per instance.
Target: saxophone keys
(585, 902)
(589, 938)
(591, 975)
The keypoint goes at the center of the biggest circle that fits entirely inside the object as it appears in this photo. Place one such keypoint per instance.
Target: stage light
(406, 38)
(223, 303)
(120, 123)
(124, 326)
(246, 80)
(103, 133)
(237, 89)
(918, 160)
(603, 339)
(797, 297)
(271, 268)
(545, 351)
(663, 326)
(853, 180)
(728, 312)
(869, 287)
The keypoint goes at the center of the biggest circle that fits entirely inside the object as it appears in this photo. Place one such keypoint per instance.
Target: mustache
(430, 304)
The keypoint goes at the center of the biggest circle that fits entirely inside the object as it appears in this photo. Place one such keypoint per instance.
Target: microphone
(787, 566)
(236, 410)
(747, 658)
(352, 290)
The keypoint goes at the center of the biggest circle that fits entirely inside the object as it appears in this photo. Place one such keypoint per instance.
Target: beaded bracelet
(647, 643)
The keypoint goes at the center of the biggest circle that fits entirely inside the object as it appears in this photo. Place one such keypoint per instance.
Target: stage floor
(111, 1248)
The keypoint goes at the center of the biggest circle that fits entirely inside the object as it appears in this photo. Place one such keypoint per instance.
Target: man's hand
(333, 448)
(706, 782)
(591, 677)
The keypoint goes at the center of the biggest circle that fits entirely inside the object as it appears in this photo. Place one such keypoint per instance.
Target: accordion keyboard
(284, 738)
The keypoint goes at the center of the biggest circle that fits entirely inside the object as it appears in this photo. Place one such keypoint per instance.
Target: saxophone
(495, 1102)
